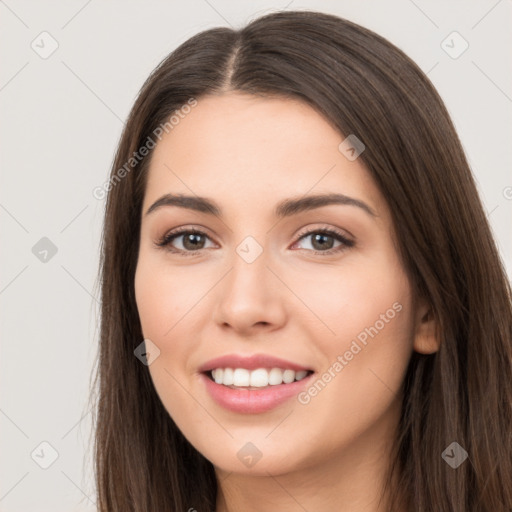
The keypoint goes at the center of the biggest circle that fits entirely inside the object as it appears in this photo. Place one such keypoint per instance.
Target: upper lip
(250, 363)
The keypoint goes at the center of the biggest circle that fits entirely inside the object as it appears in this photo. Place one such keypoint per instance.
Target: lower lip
(253, 401)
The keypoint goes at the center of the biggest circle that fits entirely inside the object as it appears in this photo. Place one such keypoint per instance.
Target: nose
(250, 298)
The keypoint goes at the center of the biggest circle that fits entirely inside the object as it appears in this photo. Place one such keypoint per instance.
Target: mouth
(244, 391)
(257, 379)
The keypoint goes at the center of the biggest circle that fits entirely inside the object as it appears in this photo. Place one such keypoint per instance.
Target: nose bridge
(249, 274)
(248, 296)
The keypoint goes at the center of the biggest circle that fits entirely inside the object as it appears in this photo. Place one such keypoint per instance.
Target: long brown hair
(363, 85)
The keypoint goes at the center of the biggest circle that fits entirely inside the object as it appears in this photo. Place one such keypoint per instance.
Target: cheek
(163, 300)
(345, 301)
(365, 361)
(162, 297)
(171, 312)
(368, 342)
(151, 305)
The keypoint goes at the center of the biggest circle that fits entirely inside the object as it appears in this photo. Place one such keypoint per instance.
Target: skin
(247, 154)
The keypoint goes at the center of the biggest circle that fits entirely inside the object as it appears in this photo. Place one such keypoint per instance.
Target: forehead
(238, 147)
(241, 124)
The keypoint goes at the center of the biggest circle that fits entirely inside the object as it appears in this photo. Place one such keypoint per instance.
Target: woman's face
(263, 279)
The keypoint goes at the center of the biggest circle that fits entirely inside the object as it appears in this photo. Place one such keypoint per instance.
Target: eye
(323, 240)
(192, 241)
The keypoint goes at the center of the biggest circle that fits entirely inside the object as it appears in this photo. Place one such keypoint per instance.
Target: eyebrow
(285, 208)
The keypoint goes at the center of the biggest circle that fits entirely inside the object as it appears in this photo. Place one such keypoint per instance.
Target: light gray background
(61, 120)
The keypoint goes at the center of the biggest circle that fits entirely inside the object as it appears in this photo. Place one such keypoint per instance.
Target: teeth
(241, 377)
(227, 377)
(260, 378)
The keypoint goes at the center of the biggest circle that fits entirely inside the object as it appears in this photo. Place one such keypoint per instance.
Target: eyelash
(165, 241)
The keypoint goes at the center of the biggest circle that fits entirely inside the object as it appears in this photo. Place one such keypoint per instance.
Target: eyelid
(326, 228)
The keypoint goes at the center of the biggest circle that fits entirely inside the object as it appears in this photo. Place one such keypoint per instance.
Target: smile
(255, 379)
(254, 399)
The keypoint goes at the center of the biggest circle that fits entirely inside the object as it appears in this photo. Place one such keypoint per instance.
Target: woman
(303, 307)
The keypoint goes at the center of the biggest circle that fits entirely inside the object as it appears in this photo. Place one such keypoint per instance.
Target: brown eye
(322, 241)
(192, 240)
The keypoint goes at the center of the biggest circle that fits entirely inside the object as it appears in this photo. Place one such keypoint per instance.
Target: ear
(425, 339)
